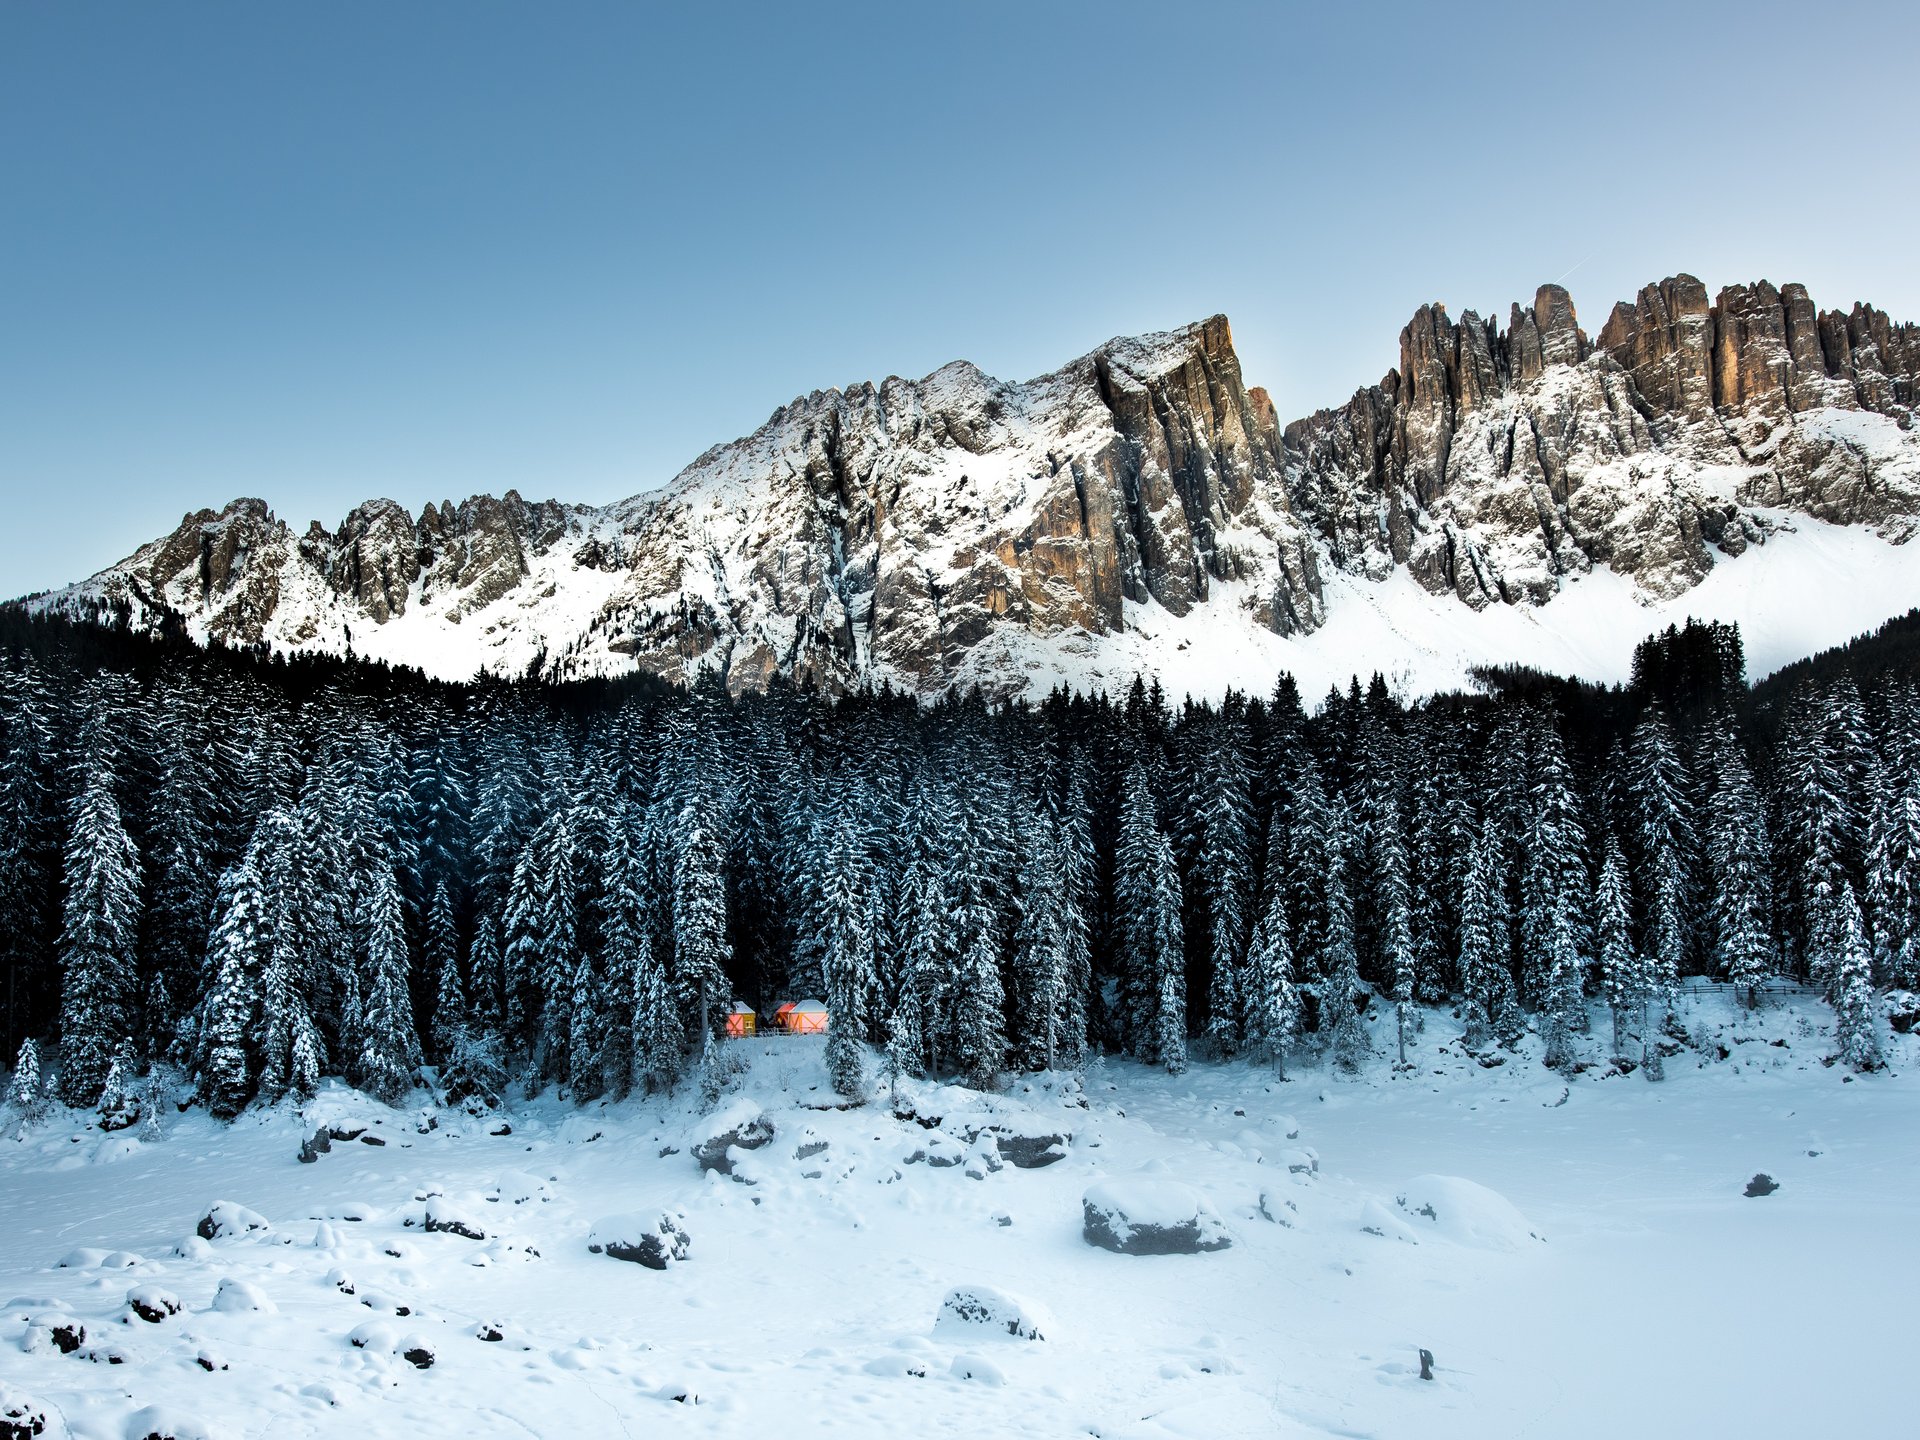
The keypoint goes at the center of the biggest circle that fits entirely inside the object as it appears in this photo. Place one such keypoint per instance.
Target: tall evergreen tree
(390, 1045)
(1273, 1000)
(100, 925)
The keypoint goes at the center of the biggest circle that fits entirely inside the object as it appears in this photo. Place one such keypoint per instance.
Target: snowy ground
(1661, 1300)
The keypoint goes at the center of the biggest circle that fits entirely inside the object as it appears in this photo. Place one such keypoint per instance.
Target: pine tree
(1621, 972)
(119, 1103)
(1485, 974)
(1893, 874)
(26, 1092)
(701, 954)
(1273, 1000)
(1738, 863)
(1852, 988)
(1657, 789)
(1553, 882)
(390, 1047)
(1039, 955)
(237, 956)
(1147, 899)
(440, 957)
(1340, 982)
(97, 937)
(845, 924)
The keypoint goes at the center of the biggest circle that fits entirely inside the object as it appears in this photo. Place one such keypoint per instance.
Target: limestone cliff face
(949, 530)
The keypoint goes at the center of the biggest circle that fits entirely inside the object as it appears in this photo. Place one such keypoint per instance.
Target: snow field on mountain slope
(1578, 1254)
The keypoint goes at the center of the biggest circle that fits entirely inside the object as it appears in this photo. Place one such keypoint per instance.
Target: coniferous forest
(256, 871)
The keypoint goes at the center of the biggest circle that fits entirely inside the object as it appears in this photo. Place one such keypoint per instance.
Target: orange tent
(808, 1017)
(741, 1021)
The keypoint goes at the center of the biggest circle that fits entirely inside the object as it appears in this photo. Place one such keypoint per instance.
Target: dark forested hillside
(264, 871)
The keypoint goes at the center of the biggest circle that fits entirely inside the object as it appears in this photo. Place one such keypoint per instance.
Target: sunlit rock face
(932, 533)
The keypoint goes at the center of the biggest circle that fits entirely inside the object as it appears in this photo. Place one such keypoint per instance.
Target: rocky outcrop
(945, 531)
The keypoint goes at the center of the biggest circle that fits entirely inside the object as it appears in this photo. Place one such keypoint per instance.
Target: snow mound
(1466, 1213)
(225, 1218)
(155, 1422)
(1151, 1217)
(970, 1307)
(240, 1296)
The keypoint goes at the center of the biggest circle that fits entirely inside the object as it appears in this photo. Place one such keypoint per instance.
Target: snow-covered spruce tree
(119, 1104)
(1553, 883)
(28, 846)
(1739, 862)
(1273, 1000)
(845, 925)
(1851, 967)
(1621, 973)
(929, 945)
(1817, 816)
(1657, 790)
(181, 863)
(586, 1014)
(1223, 869)
(390, 1046)
(99, 926)
(26, 1091)
(440, 959)
(701, 953)
(1893, 875)
(640, 993)
(1039, 955)
(1152, 958)
(1339, 986)
(542, 946)
(224, 1024)
(1393, 911)
(1485, 974)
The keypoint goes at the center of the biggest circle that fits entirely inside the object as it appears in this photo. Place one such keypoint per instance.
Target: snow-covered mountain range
(1524, 493)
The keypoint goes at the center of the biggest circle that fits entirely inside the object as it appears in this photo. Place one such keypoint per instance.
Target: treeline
(265, 871)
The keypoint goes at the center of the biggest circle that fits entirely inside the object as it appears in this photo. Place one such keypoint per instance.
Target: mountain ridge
(1113, 514)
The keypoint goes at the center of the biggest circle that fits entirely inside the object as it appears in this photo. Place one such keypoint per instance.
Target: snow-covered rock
(225, 1219)
(21, 1418)
(1145, 1216)
(740, 1125)
(971, 1307)
(153, 1304)
(654, 1242)
(1466, 1213)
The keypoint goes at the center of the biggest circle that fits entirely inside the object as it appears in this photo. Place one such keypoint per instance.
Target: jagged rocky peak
(960, 529)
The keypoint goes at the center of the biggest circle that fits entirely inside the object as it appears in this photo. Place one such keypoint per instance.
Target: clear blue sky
(323, 252)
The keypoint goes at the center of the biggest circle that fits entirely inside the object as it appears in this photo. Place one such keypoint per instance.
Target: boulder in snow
(152, 1304)
(20, 1418)
(1465, 1213)
(1151, 1217)
(740, 1125)
(1761, 1184)
(654, 1243)
(154, 1422)
(1031, 1147)
(971, 1307)
(444, 1218)
(225, 1219)
(937, 1151)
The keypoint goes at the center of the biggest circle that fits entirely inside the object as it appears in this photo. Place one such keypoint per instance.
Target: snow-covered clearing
(1579, 1257)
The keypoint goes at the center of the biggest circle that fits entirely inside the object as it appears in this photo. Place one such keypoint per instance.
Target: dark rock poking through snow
(652, 1243)
(1761, 1184)
(153, 1304)
(1031, 1152)
(1151, 1217)
(227, 1218)
(20, 1418)
(418, 1356)
(318, 1144)
(739, 1125)
(981, 1305)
